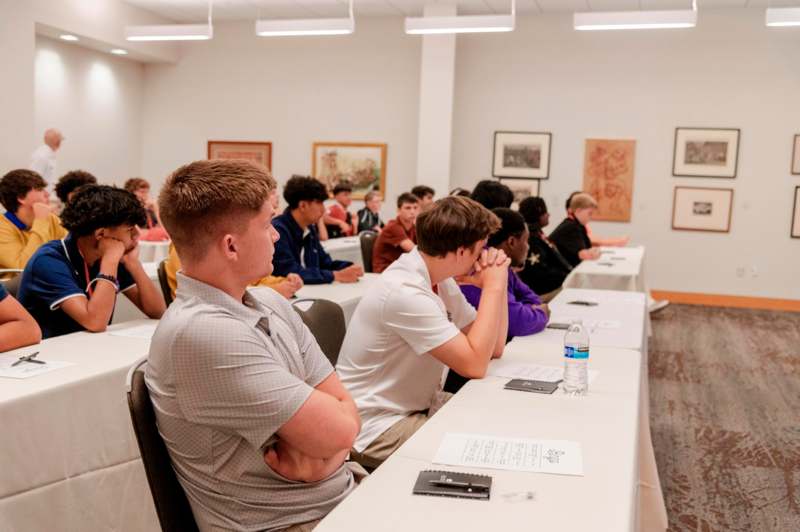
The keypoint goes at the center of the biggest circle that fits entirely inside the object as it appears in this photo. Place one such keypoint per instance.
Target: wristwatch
(109, 278)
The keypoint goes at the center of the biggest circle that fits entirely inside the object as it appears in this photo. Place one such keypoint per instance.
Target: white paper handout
(560, 457)
(140, 331)
(26, 370)
(520, 370)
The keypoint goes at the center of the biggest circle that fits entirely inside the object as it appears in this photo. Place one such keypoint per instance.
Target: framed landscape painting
(521, 155)
(702, 209)
(522, 188)
(796, 156)
(363, 165)
(710, 152)
(259, 153)
(796, 214)
(608, 176)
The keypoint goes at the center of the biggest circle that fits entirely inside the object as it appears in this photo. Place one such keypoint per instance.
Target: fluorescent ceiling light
(462, 24)
(172, 32)
(167, 32)
(307, 26)
(311, 26)
(636, 20)
(119, 51)
(68, 37)
(783, 16)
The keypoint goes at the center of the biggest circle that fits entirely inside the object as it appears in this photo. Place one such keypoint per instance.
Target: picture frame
(259, 153)
(796, 155)
(702, 209)
(362, 164)
(521, 154)
(608, 175)
(705, 152)
(522, 188)
(796, 214)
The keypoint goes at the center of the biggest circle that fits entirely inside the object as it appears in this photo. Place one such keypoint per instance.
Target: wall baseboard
(716, 300)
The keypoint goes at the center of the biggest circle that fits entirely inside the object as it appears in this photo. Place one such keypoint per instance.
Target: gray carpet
(725, 417)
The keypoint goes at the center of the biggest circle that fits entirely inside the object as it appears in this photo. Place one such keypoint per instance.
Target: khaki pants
(388, 442)
(358, 475)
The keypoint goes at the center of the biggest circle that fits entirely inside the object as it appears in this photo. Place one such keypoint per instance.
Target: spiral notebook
(453, 484)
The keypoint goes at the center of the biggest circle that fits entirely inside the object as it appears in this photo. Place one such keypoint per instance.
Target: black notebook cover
(452, 484)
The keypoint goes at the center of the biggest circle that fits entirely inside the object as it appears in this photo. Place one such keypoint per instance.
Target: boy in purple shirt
(526, 312)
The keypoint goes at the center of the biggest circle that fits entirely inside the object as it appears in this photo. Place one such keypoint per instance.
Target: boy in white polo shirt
(415, 322)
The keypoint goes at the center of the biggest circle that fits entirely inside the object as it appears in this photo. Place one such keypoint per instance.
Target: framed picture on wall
(522, 188)
(705, 152)
(521, 155)
(796, 214)
(361, 164)
(702, 209)
(608, 176)
(796, 156)
(258, 152)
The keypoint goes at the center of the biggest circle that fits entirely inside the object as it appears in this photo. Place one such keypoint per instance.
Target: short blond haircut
(582, 200)
(452, 223)
(204, 200)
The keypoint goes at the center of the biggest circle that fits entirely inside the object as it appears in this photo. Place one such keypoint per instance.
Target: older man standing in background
(43, 159)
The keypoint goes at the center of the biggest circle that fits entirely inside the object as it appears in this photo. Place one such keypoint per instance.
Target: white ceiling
(195, 10)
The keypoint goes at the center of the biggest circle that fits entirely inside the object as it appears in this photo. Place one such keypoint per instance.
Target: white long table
(616, 269)
(346, 295)
(605, 423)
(124, 310)
(615, 321)
(345, 248)
(69, 455)
(153, 251)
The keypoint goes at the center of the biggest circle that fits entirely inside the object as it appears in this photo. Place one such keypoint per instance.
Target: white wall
(731, 71)
(96, 101)
(16, 85)
(290, 91)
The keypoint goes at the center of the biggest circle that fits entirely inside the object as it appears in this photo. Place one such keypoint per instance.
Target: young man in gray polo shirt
(256, 422)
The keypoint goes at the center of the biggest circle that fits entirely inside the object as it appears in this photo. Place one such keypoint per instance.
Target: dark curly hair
(421, 191)
(302, 188)
(72, 180)
(492, 194)
(342, 186)
(16, 184)
(511, 224)
(532, 208)
(96, 206)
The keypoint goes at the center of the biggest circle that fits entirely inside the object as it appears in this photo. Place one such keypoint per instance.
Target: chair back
(163, 282)
(11, 279)
(172, 506)
(367, 239)
(326, 321)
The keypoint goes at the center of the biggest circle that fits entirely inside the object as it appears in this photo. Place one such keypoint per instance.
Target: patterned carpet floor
(725, 417)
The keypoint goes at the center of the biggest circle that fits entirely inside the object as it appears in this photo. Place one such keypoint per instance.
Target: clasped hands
(491, 267)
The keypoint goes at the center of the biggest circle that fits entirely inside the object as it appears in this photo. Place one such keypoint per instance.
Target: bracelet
(108, 278)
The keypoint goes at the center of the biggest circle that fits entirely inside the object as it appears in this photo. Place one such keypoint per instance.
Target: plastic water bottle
(576, 359)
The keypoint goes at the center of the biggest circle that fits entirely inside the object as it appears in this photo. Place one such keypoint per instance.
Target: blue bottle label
(579, 353)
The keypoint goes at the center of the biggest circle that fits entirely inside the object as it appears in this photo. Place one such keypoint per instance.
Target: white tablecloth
(69, 455)
(616, 320)
(605, 423)
(153, 251)
(124, 309)
(347, 248)
(616, 269)
(347, 295)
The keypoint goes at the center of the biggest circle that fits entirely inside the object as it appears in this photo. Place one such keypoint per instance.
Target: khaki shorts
(384, 445)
